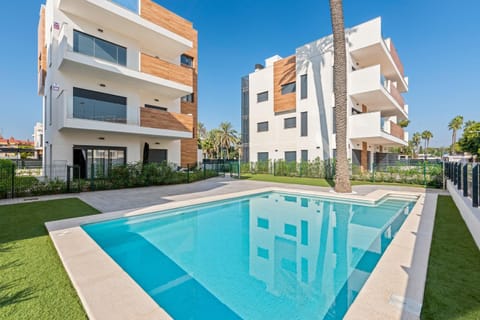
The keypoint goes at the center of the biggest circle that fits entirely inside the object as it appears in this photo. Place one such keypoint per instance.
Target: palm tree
(454, 125)
(426, 136)
(468, 123)
(416, 139)
(201, 131)
(228, 137)
(342, 174)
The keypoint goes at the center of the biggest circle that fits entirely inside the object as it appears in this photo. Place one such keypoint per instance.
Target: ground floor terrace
(406, 258)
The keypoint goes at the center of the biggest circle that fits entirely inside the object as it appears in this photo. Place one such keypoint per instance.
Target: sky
(437, 41)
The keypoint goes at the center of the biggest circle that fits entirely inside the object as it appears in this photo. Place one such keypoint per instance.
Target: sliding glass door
(97, 161)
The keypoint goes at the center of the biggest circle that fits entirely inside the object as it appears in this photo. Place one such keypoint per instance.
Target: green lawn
(33, 283)
(453, 280)
(314, 181)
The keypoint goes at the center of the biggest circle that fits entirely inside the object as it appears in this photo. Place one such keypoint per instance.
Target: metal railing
(465, 177)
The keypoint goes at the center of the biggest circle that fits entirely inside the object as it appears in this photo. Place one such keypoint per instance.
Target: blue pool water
(271, 255)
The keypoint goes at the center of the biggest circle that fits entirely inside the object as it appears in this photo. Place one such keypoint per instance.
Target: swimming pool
(270, 255)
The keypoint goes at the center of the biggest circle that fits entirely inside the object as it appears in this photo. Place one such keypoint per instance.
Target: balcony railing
(395, 57)
(395, 93)
(158, 119)
(166, 70)
(396, 131)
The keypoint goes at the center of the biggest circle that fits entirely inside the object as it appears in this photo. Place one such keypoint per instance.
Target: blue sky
(437, 41)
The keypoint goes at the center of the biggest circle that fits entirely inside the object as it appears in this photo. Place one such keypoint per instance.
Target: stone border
(470, 215)
(108, 292)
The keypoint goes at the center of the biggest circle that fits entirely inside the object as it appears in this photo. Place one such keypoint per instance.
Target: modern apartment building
(119, 84)
(288, 103)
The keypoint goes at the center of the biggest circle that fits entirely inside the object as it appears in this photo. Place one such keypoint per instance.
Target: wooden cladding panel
(178, 25)
(396, 58)
(284, 71)
(166, 70)
(42, 52)
(364, 157)
(158, 119)
(396, 130)
(397, 95)
(167, 19)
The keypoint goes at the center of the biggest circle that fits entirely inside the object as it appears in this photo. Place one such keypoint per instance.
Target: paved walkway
(124, 199)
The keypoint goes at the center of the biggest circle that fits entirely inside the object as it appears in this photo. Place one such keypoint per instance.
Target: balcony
(372, 128)
(369, 48)
(166, 70)
(123, 120)
(92, 67)
(368, 87)
(157, 39)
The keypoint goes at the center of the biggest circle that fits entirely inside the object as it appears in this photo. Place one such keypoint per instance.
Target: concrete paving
(125, 199)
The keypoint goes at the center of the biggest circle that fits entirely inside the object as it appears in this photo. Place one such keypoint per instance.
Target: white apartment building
(288, 103)
(118, 80)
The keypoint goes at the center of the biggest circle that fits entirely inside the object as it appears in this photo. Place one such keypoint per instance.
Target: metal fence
(407, 172)
(62, 178)
(465, 176)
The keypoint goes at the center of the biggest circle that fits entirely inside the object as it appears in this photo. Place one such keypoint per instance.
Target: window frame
(285, 121)
(303, 86)
(291, 87)
(263, 123)
(190, 58)
(94, 45)
(304, 124)
(259, 95)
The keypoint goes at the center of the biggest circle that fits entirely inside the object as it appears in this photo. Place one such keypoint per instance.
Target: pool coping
(106, 291)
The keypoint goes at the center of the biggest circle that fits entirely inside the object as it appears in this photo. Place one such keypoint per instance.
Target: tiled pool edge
(395, 288)
(106, 291)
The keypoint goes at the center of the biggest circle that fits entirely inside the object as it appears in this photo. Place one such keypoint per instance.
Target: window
(93, 105)
(99, 48)
(290, 156)
(289, 88)
(290, 123)
(262, 126)
(262, 156)
(188, 98)
(304, 86)
(304, 155)
(304, 124)
(262, 96)
(155, 107)
(186, 61)
(97, 161)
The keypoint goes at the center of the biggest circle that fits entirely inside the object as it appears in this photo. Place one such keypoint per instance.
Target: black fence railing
(406, 172)
(465, 177)
(18, 182)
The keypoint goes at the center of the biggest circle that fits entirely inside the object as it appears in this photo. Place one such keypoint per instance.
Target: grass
(33, 283)
(453, 279)
(315, 181)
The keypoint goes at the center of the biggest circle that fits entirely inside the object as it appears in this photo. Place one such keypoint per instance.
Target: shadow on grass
(15, 297)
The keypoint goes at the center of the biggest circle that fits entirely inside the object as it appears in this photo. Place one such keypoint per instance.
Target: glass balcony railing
(131, 5)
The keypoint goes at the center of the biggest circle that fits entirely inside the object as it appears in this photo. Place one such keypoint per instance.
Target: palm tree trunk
(454, 139)
(342, 174)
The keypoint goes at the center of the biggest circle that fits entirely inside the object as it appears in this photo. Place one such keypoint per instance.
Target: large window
(262, 96)
(262, 156)
(289, 88)
(290, 156)
(262, 126)
(304, 124)
(186, 61)
(99, 48)
(93, 105)
(188, 98)
(290, 123)
(97, 161)
(303, 86)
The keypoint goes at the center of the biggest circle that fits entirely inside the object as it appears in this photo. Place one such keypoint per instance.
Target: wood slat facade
(158, 119)
(172, 22)
(284, 72)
